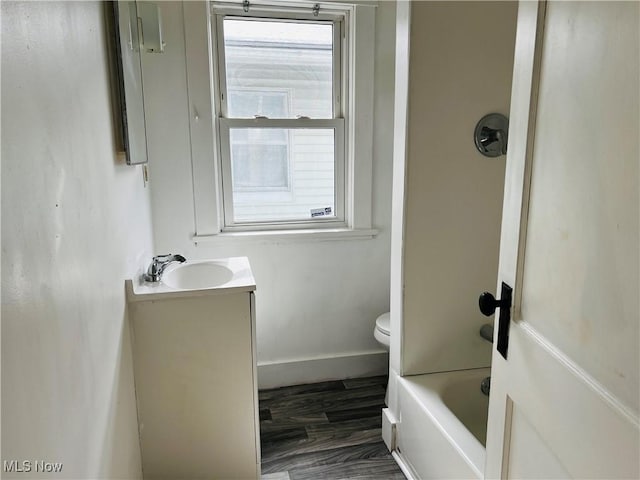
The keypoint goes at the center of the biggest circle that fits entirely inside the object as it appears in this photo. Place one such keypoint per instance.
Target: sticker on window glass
(320, 212)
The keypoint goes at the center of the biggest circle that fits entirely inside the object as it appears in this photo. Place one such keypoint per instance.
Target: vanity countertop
(241, 280)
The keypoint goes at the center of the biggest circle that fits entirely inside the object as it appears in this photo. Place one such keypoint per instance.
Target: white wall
(75, 224)
(460, 65)
(316, 301)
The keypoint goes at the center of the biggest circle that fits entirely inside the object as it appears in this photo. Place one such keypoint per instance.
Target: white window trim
(358, 125)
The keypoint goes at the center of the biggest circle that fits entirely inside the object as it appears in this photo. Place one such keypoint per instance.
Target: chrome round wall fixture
(491, 135)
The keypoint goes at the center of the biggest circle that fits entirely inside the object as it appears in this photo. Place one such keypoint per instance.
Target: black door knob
(488, 304)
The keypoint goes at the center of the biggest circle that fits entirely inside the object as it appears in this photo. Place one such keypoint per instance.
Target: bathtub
(443, 424)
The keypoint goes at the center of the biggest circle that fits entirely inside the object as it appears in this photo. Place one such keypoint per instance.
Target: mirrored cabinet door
(128, 41)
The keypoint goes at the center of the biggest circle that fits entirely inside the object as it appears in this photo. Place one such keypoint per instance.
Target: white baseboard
(311, 370)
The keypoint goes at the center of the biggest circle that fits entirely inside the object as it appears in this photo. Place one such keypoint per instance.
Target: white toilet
(382, 332)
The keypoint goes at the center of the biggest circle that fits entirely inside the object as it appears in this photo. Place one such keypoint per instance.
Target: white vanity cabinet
(195, 376)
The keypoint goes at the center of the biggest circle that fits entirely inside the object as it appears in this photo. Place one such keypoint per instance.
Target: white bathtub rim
(465, 443)
(472, 463)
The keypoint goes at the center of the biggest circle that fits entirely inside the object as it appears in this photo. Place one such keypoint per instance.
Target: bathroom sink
(213, 276)
(197, 275)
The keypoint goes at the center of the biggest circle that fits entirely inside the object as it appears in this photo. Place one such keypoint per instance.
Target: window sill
(324, 234)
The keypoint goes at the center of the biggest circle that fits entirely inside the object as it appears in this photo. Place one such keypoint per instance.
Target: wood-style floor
(329, 430)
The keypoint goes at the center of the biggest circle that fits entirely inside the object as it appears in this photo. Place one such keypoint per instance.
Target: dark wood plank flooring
(329, 430)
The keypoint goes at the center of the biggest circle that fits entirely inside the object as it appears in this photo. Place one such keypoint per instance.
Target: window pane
(245, 103)
(282, 174)
(268, 59)
(259, 159)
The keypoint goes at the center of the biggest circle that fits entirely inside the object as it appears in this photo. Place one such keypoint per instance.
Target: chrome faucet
(159, 263)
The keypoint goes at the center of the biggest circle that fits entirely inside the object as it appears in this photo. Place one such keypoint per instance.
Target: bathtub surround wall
(317, 301)
(453, 66)
(75, 224)
(452, 202)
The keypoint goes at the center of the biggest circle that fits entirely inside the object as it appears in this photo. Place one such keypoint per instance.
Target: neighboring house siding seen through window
(259, 157)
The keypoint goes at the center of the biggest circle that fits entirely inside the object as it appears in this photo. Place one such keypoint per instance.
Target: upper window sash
(338, 18)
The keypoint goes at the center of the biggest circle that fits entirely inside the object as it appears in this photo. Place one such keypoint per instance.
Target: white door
(565, 402)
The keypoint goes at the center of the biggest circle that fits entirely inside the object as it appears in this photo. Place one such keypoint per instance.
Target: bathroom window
(280, 76)
(291, 86)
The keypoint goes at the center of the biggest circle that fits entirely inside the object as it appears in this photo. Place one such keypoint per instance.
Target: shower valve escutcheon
(491, 135)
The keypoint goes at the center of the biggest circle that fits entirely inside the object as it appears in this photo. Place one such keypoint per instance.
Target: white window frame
(225, 123)
(357, 101)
